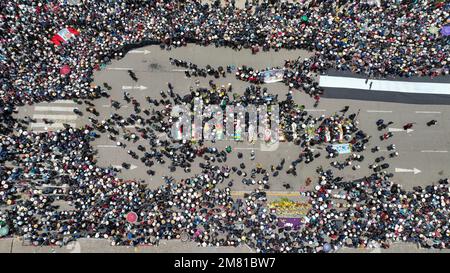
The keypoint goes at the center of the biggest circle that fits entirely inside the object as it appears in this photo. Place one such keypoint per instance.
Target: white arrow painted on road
(137, 87)
(400, 130)
(132, 167)
(400, 170)
(145, 52)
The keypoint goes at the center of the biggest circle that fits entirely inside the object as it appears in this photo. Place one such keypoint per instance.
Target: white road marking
(107, 146)
(54, 108)
(120, 68)
(55, 117)
(180, 70)
(53, 125)
(396, 130)
(432, 151)
(132, 167)
(64, 102)
(379, 111)
(385, 85)
(145, 52)
(238, 148)
(400, 170)
(427, 112)
(137, 87)
(401, 130)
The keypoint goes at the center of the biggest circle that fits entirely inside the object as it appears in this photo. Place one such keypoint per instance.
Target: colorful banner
(274, 75)
(342, 148)
(295, 223)
(286, 207)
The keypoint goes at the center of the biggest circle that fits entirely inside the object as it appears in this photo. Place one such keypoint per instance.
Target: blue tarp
(445, 31)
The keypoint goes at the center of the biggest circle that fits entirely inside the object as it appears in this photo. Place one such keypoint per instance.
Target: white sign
(274, 75)
(342, 148)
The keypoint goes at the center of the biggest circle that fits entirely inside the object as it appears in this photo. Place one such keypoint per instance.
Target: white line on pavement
(400, 170)
(400, 130)
(179, 70)
(54, 108)
(107, 146)
(45, 131)
(431, 151)
(427, 112)
(55, 117)
(54, 125)
(145, 52)
(109, 105)
(132, 167)
(138, 87)
(379, 111)
(64, 102)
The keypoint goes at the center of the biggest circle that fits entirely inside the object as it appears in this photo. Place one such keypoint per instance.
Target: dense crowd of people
(347, 35)
(60, 165)
(39, 169)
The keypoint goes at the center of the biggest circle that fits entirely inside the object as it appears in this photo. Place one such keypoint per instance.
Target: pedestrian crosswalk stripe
(54, 109)
(53, 125)
(55, 117)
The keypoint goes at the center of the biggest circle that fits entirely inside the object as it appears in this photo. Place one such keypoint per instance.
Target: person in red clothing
(408, 126)
(317, 99)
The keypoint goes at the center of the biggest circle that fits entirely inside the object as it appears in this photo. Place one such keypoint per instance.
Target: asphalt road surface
(426, 149)
(424, 152)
